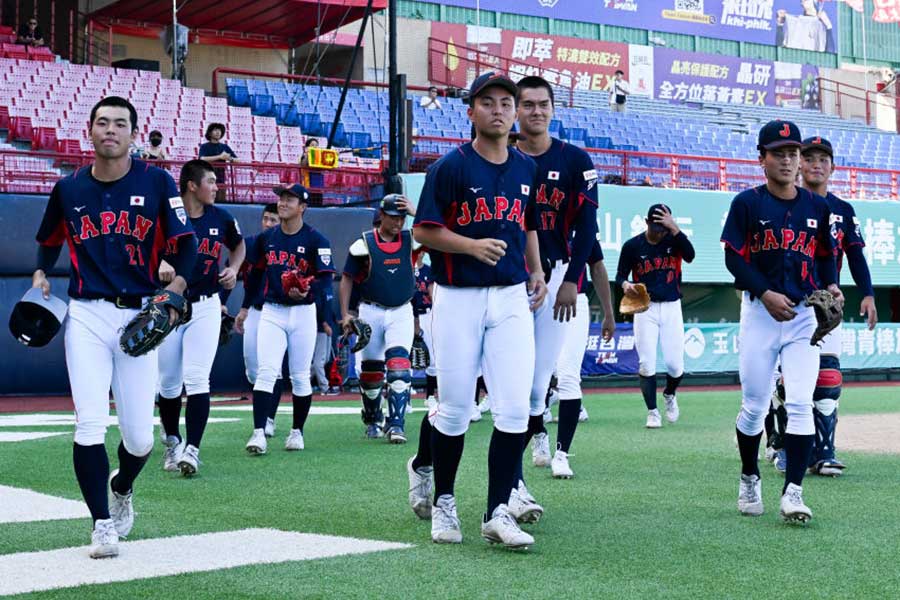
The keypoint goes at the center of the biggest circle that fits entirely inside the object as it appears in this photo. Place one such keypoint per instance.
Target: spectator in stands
(215, 150)
(155, 150)
(430, 101)
(618, 92)
(311, 142)
(30, 34)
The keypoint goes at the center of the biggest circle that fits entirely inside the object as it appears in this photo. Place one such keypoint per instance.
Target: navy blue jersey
(117, 231)
(657, 266)
(385, 274)
(422, 299)
(566, 200)
(478, 199)
(594, 257)
(215, 149)
(276, 252)
(845, 230)
(323, 293)
(780, 239)
(215, 229)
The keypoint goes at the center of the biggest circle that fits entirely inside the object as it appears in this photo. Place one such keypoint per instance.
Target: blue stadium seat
(238, 96)
(262, 105)
(286, 114)
(311, 124)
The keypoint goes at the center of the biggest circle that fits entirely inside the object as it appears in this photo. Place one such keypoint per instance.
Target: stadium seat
(262, 105)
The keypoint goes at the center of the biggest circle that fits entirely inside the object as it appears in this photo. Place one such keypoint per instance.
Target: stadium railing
(845, 96)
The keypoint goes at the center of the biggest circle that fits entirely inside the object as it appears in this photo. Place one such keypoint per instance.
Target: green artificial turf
(649, 513)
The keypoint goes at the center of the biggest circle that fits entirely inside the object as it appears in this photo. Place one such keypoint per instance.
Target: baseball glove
(363, 332)
(829, 314)
(294, 279)
(418, 354)
(151, 325)
(226, 329)
(631, 305)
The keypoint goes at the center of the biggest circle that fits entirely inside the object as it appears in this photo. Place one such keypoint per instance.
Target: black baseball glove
(363, 333)
(226, 329)
(151, 325)
(829, 314)
(418, 354)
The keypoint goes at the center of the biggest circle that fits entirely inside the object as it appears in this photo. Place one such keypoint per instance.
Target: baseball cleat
(476, 414)
(540, 450)
(503, 529)
(793, 510)
(396, 435)
(559, 467)
(332, 390)
(654, 421)
(770, 454)
(830, 467)
(104, 539)
(583, 415)
(257, 443)
(444, 522)
(672, 411)
(121, 510)
(750, 496)
(294, 440)
(373, 431)
(174, 448)
(190, 461)
(270, 428)
(523, 507)
(421, 484)
(781, 461)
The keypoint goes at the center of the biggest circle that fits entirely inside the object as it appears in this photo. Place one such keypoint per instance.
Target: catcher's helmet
(35, 320)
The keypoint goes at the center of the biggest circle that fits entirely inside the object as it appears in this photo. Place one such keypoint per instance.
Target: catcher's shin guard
(399, 381)
(371, 381)
(825, 405)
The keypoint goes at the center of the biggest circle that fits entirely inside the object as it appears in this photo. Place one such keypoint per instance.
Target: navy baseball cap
(35, 320)
(657, 207)
(777, 134)
(295, 190)
(817, 143)
(389, 205)
(491, 79)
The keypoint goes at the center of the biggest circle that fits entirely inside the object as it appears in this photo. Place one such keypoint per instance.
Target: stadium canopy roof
(293, 20)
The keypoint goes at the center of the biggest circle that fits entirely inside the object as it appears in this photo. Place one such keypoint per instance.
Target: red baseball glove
(294, 279)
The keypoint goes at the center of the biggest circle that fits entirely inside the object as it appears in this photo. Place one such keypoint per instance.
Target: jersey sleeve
(172, 214)
(626, 258)
(324, 260)
(232, 231)
(596, 254)
(52, 231)
(588, 178)
(433, 201)
(853, 234)
(735, 232)
(256, 251)
(354, 267)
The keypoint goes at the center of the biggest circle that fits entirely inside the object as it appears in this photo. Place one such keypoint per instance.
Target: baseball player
(568, 365)
(654, 258)
(324, 319)
(381, 262)
(566, 201)
(186, 355)
(422, 310)
(476, 215)
(778, 246)
(116, 215)
(816, 167)
(288, 317)
(247, 321)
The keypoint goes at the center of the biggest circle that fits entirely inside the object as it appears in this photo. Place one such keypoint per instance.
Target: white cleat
(270, 427)
(485, 404)
(523, 507)
(258, 443)
(294, 440)
(540, 450)
(750, 496)
(190, 461)
(654, 421)
(672, 411)
(559, 467)
(174, 448)
(121, 509)
(104, 539)
(583, 414)
(793, 510)
(421, 487)
(476, 414)
(503, 529)
(770, 454)
(444, 522)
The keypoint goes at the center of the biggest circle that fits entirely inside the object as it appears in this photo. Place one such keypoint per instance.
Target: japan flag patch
(553, 175)
(526, 189)
(812, 223)
(213, 231)
(137, 200)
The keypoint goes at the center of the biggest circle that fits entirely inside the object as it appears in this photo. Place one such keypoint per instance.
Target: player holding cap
(778, 246)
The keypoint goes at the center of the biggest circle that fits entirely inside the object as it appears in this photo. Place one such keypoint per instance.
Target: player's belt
(125, 301)
(377, 305)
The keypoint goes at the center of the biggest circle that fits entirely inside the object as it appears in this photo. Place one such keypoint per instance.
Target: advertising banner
(682, 76)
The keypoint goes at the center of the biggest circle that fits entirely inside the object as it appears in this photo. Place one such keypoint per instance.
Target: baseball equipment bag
(829, 314)
(294, 279)
(151, 325)
(418, 355)
(363, 332)
(631, 305)
(226, 329)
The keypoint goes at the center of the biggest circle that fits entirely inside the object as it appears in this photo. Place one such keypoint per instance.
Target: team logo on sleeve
(179, 212)
(812, 223)
(325, 256)
(137, 201)
(553, 175)
(175, 202)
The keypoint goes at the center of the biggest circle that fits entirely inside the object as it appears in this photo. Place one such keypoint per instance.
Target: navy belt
(125, 301)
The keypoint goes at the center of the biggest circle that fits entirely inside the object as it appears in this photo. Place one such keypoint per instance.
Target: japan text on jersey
(479, 199)
(117, 231)
(216, 229)
(276, 252)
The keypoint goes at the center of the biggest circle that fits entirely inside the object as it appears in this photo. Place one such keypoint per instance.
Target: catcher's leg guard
(371, 381)
(825, 405)
(398, 378)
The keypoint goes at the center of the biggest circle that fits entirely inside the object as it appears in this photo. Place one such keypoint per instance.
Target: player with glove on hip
(654, 259)
(117, 215)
